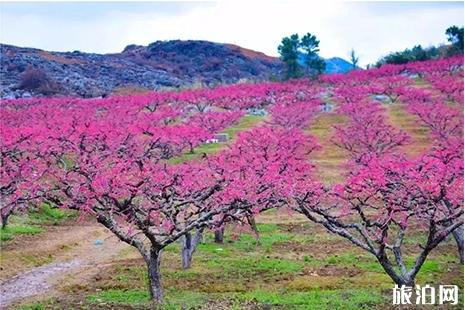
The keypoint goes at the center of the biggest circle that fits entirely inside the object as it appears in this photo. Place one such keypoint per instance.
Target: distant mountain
(162, 64)
(337, 65)
(333, 65)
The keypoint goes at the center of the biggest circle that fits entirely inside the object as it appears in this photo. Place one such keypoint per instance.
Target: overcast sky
(372, 28)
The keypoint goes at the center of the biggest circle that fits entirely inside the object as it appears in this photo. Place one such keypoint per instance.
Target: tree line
(301, 55)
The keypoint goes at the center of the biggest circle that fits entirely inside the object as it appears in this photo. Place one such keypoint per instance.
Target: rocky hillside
(162, 64)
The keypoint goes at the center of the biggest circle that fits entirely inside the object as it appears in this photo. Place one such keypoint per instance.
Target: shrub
(33, 79)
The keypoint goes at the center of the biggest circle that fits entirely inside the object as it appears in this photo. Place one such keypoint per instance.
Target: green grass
(48, 215)
(36, 260)
(270, 236)
(266, 241)
(129, 297)
(420, 82)
(50, 303)
(314, 299)
(33, 221)
(198, 152)
(362, 261)
(35, 306)
(215, 248)
(251, 266)
(267, 228)
(245, 123)
(10, 231)
(173, 299)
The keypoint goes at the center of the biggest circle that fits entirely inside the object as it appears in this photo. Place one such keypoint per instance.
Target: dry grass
(329, 159)
(129, 90)
(419, 134)
(59, 59)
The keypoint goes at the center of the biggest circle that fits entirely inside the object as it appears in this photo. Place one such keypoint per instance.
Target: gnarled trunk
(189, 245)
(400, 279)
(154, 275)
(151, 256)
(458, 236)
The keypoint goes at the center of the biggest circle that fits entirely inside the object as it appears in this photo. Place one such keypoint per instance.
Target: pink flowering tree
(450, 86)
(21, 171)
(450, 153)
(114, 168)
(117, 174)
(214, 121)
(384, 200)
(390, 86)
(446, 125)
(258, 171)
(296, 115)
(108, 161)
(366, 131)
(443, 121)
(21, 167)
(353, 94)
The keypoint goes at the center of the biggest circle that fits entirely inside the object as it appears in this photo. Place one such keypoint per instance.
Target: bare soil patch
(68, 252)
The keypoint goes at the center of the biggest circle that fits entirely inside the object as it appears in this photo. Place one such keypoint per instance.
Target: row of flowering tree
(386, 196)
(27, 128)
(443, 116)
(111, 162)
(443, 120)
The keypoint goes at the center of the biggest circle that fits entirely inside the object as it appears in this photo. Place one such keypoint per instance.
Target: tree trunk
(254, 227)
(406, 281)
(458, 236)
(398, 279)
(219, 235)
(154, 276)
(189, 245)
(186, 253)
(5, 217)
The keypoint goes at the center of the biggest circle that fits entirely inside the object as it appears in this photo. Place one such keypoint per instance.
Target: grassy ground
(329, 158)
(34, 222)
(419, 134)
(294, 265)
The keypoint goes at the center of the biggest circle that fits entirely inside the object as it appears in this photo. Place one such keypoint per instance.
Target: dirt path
(42, 265)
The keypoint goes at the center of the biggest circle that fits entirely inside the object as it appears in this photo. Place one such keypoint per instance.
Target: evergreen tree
(354, 59)
(289, 51)
(455, 36)
(292, 48)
